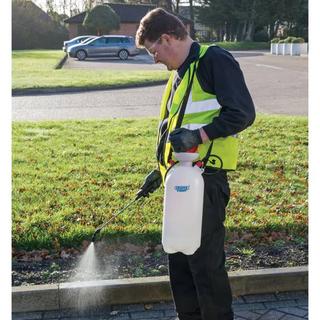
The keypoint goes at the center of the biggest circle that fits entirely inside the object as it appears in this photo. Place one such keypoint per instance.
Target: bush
(275, 40)
(298, 40)
(289, 39)
(281, 41)
(205, 36)
(101, 19)
(261, 36)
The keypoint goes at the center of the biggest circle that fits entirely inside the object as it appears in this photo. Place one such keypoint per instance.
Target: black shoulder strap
(182, 107)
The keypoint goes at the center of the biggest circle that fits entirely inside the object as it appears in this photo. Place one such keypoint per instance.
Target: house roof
(127, 13)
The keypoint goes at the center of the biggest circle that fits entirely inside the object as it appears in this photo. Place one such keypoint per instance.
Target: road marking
(268, 66)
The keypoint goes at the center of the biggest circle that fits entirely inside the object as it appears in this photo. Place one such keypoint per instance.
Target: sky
(77, 4)
(58, 5)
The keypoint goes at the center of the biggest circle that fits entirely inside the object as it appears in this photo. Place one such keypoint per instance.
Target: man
(205, 104)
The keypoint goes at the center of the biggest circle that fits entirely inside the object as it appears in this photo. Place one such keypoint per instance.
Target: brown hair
(157, 22)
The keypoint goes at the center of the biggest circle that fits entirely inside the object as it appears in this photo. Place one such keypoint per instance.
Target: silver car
(104, 46)
(72, 42)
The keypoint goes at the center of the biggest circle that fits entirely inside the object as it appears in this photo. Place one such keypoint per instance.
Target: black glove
(183, 139)
(151, 183)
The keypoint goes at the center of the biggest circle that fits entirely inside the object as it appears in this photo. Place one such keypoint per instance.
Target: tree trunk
(238, 35)
(192, 31)
(249, 33)
(275, 29)
(169, 5)
(177, 6)
(228, 33)
(243, 33)
(251, 23)
(234, 31)
(222, 33)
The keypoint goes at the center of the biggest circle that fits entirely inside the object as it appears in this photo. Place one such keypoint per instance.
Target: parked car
(83, 41)
(104, 46)
(77, 40)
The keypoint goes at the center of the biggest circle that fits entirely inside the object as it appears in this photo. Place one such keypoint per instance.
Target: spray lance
(151, 183)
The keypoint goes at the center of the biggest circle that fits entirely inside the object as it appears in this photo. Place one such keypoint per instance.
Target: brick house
(130, 16)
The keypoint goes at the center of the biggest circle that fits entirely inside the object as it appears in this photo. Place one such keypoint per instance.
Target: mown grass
(242, 45)
(69, 176)
(34, 69)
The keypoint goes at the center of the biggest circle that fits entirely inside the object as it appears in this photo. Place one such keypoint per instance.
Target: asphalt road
(278, 85)
(141, 62)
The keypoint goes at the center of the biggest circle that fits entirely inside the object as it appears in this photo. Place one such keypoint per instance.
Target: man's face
(161, 51)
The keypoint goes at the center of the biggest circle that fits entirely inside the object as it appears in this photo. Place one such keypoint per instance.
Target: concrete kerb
(32, 92)
(148, 289)
(61, 62)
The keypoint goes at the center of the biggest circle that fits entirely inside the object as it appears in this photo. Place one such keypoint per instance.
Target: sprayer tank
(183, 206)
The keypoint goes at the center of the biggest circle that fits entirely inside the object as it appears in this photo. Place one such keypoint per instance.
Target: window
(113, 40)
(98, 42)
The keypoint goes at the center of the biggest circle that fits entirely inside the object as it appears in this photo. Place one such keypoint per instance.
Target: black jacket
(219, 74)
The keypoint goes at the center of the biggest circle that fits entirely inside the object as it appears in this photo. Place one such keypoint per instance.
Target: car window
(87, 40)
(125, 40)
(112, 40)
(98, 42)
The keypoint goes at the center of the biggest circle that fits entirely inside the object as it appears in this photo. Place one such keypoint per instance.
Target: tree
(32, 28)
(101, 20)
(192, 31)
(242, 19)
(88, 4)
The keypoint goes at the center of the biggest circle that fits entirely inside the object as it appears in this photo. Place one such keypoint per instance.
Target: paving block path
(275, 306)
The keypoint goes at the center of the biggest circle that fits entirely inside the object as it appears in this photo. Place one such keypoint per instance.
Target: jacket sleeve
(223, 76)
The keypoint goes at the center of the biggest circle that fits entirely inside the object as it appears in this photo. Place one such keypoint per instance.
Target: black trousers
(199, 282)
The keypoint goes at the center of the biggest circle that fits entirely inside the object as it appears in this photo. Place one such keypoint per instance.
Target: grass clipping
(69, 176)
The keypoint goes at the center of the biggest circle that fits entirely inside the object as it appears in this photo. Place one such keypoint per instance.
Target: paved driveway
(139, 62)
(278, 85)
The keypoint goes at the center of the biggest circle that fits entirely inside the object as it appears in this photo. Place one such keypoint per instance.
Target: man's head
(165, 37)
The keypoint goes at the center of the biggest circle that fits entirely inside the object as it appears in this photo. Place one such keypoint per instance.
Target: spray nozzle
(96, 232)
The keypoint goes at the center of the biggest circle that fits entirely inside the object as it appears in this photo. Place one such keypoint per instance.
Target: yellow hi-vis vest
(192, 112)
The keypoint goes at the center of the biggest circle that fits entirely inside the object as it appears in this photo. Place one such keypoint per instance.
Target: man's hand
(183, 139)
(151, 183)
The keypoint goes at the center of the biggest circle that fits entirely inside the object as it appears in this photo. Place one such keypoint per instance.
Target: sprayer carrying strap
(206, 158)
(182, 108)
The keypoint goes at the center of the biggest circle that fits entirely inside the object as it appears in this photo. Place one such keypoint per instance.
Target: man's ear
(167, 38)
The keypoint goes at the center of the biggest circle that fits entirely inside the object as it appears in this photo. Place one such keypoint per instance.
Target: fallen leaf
(148, 306)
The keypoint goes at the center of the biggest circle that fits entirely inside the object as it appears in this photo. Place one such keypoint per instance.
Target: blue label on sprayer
(181, 188)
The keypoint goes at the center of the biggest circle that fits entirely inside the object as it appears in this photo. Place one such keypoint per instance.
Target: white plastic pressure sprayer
(183, 205)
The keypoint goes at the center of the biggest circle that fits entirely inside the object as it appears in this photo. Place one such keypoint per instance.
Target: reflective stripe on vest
(201, 109)
(202, 105)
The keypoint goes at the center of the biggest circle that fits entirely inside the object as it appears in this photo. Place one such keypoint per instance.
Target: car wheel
(123, 54)
(81, 55)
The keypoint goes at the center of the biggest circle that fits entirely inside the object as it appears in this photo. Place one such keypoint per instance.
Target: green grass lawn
(34, 69)
(243, 45)
(69, 176)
